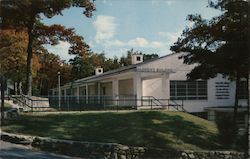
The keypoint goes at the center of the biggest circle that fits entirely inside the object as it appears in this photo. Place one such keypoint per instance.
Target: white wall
(126, 87)
(82, 90)
(153, 87)
(92, 90)
(108, 88)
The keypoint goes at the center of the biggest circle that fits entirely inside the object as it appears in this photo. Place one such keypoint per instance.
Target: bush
(227, 128)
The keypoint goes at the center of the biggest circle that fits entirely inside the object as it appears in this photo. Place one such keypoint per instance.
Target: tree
(84, 66)
(125, 61)
(147, 57)
(27, 14)
(13, 50)
(219, 45)
(46, 75)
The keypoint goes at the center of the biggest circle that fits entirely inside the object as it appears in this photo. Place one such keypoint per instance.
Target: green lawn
(157, 129)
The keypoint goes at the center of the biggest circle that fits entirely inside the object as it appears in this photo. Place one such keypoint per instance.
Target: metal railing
(162, 103)
(21, 100)
(31, 103)
(95, 102)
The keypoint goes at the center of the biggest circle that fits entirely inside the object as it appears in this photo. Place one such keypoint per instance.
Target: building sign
(222, 90)
(154, 70)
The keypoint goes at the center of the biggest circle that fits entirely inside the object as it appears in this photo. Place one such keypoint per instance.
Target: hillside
(157, 129)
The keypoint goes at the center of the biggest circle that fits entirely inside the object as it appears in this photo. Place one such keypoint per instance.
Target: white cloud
(63, 45)
(169, 2)
(108, 2)
(105, 28)
(190, 24)
(138, 42)
(171, 37)
(113, 43)
(154, 2)
(159, 2)
(157, 44)
(61, 49)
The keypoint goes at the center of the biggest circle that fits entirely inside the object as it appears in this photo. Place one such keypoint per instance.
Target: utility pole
(248, 119)
(248, 112)
(3, 88)
(59, 91)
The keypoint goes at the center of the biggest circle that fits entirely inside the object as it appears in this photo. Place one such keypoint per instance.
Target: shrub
(227, 128)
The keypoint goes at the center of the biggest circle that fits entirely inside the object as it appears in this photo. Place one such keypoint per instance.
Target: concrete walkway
(13, 151)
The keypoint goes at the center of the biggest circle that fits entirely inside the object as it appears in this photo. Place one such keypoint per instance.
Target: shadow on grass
(173, 131)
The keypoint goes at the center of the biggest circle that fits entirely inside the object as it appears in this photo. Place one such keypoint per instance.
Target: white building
(158, 79)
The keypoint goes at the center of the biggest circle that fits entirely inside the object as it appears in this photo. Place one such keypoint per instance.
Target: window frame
(188, 90)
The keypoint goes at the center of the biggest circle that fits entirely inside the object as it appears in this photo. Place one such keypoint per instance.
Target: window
(242, 90)
(188, 90)
(138, 58)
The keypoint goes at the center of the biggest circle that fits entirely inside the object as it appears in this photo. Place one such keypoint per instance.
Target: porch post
(115, 90)
(99, 92)
(137, 82)
(65, 94)
(165, 86)
(77, 94)
(87, 94)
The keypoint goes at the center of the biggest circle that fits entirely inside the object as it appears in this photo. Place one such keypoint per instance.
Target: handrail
(21, 101)
(153, 99)
(178, 105)
(158, 102)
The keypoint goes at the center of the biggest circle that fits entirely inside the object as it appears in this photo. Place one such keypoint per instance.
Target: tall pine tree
(219, 45)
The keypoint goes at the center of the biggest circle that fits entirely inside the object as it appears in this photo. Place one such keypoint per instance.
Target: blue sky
(150, 26)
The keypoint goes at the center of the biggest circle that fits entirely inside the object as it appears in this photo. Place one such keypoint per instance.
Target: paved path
(13, 151)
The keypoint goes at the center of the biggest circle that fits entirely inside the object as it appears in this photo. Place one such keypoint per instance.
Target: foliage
(227, 128)
(12, 50)
(13, 55)
(154, 129)
(27, 14)
(219, 45)
(125, 61)
(55, 33)
(47, 75)
(45, 65)
(84, 66)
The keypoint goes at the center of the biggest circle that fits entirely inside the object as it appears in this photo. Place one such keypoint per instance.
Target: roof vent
(98, 71)
(137, 58)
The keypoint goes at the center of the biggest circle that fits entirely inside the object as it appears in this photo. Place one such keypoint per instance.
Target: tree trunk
(20, 85)
(236, 97)
(15, 88)
(29, 61)
(248, 124)
(2, 99)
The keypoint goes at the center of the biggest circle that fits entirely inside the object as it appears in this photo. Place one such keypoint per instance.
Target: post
(87, 94)
(99, 92)
(248, 124)
(115, 91)
(59, 90)
(3, 85)
(137, 84)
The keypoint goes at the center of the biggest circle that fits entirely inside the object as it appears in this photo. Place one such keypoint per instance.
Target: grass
(157, 129)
